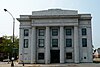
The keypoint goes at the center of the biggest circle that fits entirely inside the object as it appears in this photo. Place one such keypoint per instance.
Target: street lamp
(12, 64)
(8, 54)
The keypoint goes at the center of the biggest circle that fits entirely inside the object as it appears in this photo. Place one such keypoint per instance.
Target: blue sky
(25, 7)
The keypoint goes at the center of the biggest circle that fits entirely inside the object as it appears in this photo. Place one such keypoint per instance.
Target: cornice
(23, 19)
(30, 17)
(54, 17)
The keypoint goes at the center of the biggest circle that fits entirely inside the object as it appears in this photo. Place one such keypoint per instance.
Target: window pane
(54, 32)
(68, 42)
(84, 31)
(68, 32)
(40, 56)
(84, 42)
(69, 55)
(25, 43)
(41, 32)
(26, 32)
(54, 42)
(41, 43)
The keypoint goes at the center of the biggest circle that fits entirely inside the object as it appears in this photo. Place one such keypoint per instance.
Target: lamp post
(8, 54)
(12, 64)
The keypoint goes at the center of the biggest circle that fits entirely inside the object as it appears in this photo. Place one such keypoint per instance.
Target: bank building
(55, 36)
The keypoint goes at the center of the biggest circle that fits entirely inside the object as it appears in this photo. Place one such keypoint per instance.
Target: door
(55, 56)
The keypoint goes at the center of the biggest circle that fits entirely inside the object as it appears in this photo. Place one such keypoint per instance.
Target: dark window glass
(69, 32)
(41, 42)
(68, 42)
(41, 32)
(84, 57)
(40, 56)
(25, 43)
(26, 32)
(54, 32)
(84, 31)
(54, 42)
(69, 55)
(84, 42)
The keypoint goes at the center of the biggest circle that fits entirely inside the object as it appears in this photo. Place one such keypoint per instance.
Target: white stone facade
(55, 36)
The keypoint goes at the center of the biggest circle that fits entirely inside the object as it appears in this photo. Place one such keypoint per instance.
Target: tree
(7, 46)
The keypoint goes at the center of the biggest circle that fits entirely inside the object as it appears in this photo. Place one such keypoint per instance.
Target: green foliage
(7, 45)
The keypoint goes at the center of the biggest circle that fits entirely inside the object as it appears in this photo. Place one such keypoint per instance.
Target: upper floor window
(69, 55)
(40, 56)
(41, 32)
(84, 42)
(84, 32)
(26, 32)
(68, 32)
(68, 42)
(54, 32)
(41, 42)
(25, 43)
(54, 42)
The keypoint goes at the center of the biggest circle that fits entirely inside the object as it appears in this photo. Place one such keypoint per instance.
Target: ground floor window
(69, 55)
(40, 56)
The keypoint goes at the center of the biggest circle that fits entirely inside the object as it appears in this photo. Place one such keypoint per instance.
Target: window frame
(84, 31)
(68, 44)
(84, 42)
(40, 56)
(53, 43)
(69, 55)
(68, 31)
(54, 32)
(26, 32)
(26, 42)
(41, 32)
(39, 42)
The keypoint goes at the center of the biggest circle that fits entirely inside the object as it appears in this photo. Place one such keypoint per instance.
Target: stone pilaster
(76, 46)
(47, 45)
(89, 44)
(21, 48)
(62, 45)
(33, 45)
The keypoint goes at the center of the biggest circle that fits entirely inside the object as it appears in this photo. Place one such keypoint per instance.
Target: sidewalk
(5, 64)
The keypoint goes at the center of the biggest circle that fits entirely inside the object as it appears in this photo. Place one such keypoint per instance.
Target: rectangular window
(54, 32)
(41, 32)
(84, 42)
(84, 31)
(54, 42)
(41, 42)
(68, 42)
(25, 43)
(26, 32)
(69, 55)
(68, 32)
(40, 56)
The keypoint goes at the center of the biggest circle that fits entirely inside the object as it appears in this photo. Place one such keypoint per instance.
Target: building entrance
(55, 56)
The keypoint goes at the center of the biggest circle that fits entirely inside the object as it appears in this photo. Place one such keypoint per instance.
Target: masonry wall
(71, 19)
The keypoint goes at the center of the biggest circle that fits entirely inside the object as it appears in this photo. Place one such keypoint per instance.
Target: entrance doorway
(55, 56)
